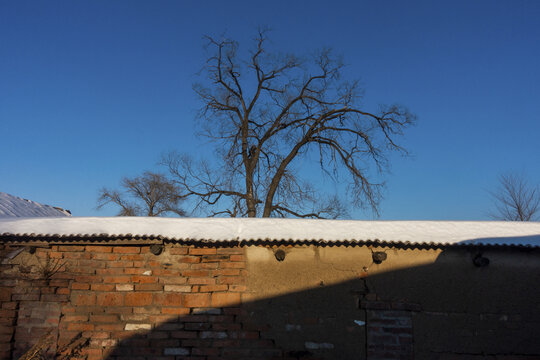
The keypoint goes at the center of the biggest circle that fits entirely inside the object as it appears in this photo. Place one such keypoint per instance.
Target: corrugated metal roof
(272, 231)
(14, 206)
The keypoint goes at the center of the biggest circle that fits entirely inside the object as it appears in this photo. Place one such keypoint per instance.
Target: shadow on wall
(458, 307)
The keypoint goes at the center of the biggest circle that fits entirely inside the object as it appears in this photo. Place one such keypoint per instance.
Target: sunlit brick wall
(127, 301)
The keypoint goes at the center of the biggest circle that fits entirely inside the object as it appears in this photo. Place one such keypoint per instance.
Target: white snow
(14, 206)
(231, 229)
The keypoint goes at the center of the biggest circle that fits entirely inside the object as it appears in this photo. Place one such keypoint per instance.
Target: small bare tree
(268, 111)
(150, 194)
(516, 199)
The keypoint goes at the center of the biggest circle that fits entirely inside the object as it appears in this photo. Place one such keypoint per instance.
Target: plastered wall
(450, 307)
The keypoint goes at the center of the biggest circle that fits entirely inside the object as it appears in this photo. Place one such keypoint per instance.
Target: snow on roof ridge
(294, 230)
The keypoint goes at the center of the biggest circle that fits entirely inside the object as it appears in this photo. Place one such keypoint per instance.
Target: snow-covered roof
(14, 206)
(430, 233)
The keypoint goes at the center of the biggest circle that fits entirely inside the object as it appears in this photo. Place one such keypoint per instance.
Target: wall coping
(227, 232)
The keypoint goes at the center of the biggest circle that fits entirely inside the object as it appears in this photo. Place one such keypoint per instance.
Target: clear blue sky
(91, 91)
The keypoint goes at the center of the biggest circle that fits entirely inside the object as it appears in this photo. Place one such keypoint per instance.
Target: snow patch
(205, 229)
(14, 206)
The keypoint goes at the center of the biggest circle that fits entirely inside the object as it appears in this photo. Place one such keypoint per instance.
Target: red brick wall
(181, 304)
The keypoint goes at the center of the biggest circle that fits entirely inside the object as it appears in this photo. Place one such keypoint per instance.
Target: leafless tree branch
(516, 199)
(150, 194)
(266, 112)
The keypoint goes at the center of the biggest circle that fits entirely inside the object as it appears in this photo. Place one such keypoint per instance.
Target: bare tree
(516, 199)
(268, 111)
(150, 194)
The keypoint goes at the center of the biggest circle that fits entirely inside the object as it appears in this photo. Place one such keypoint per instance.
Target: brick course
(389, 330)
(129, 303)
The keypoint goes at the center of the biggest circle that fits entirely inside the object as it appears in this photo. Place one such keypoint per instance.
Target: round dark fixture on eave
(480, 261)
(156, 249)
(280, 255)
(378, 256)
